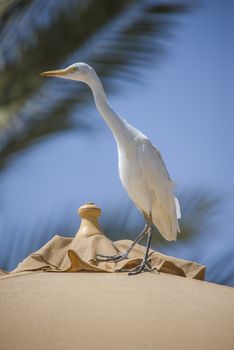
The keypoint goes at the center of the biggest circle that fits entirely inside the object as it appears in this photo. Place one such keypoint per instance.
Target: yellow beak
(54, 73)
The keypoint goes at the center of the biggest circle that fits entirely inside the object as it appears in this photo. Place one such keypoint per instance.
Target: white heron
(141, 167)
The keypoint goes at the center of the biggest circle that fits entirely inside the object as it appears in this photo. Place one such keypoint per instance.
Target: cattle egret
(141, 168)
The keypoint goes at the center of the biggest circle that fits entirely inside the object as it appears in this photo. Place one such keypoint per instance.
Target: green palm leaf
(32, 107)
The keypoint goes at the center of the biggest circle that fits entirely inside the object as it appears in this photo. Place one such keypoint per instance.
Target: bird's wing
(165, 207)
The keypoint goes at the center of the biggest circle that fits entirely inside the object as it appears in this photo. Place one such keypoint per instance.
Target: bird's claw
(114, 258)
(144, 266)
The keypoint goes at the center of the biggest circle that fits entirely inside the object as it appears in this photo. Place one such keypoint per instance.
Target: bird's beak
(55, 73)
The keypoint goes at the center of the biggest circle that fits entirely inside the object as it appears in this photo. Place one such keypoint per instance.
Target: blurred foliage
(119, 39)
(115, 37)
(198, 208)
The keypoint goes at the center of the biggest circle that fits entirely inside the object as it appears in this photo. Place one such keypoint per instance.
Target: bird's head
(78, 71)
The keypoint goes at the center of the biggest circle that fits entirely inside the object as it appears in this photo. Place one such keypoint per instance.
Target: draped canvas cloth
(3, 273)
(62, 254)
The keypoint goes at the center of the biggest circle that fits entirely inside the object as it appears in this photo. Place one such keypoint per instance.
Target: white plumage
(147, 182)
(141, 168)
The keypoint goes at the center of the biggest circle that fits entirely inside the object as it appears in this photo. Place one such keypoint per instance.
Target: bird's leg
(119, 257)
(145, 264)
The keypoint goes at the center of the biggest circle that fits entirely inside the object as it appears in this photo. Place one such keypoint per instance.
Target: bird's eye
(75, 69)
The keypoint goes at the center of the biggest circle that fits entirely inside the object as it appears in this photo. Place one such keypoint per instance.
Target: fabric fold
(62, 254)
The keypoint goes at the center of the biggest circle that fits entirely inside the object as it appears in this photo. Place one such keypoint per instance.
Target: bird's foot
(144, 266)
(114, 258)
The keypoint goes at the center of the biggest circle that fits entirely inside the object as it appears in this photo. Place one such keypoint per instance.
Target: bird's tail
(165, 218)
(178, 212)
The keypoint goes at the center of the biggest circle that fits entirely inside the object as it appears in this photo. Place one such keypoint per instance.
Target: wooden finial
(89, 226)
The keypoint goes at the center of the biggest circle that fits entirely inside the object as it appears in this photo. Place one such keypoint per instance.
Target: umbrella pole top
(89, 226)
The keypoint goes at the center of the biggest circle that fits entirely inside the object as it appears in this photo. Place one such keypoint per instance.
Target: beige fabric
(101, 311)
(76, 254)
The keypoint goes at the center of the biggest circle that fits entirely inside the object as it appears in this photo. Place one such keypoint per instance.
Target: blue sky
(185, 105)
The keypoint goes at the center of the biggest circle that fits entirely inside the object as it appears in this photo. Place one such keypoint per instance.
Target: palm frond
(198, 207)
(31, 106)
(200, 213)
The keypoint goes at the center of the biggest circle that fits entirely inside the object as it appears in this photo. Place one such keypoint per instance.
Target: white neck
(119, 127)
